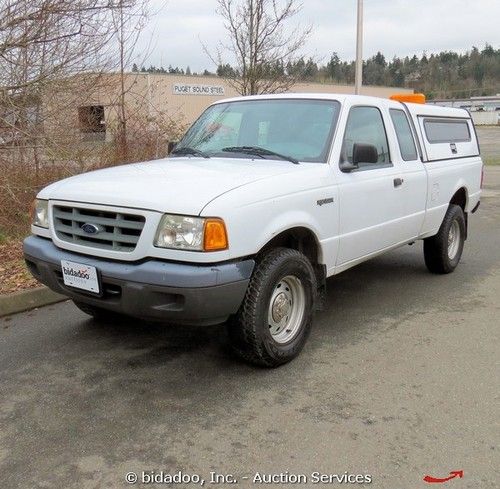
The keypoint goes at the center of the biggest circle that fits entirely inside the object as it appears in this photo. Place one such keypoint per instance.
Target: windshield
(300, 129)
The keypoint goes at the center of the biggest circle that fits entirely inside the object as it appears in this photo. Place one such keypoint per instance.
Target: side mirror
(171, 146)
(347, 167)
(364, 153)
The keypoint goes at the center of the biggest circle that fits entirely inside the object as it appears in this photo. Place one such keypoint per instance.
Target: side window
(447, 131)
(366, 126)
(404, 135)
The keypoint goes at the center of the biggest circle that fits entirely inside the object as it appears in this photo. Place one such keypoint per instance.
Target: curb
(25, 300)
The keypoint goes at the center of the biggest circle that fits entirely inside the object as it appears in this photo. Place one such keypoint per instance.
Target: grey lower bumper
(152, 289)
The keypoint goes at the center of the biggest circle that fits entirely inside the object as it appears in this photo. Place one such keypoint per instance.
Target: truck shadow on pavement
(396, 285)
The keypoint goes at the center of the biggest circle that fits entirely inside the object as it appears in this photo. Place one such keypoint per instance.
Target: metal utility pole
(358, 80)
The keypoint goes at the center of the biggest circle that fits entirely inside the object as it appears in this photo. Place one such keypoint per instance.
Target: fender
(289, 220)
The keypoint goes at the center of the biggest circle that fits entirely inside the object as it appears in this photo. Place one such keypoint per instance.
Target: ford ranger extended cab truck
(263, 199)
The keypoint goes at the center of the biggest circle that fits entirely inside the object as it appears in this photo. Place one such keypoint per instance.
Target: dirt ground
(14, 275)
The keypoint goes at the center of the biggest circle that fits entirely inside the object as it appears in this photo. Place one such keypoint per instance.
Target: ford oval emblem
(91, 228)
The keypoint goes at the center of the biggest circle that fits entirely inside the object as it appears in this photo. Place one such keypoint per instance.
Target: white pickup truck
(263, 199)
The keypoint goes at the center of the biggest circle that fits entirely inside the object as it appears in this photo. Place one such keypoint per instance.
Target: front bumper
(150, 289)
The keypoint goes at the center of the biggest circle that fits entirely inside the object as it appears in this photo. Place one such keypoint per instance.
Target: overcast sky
(394, 27)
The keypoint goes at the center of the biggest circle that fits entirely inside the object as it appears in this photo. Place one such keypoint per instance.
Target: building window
(91, 119)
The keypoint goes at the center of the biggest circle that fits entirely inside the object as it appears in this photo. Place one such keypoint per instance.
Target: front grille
(117, 231)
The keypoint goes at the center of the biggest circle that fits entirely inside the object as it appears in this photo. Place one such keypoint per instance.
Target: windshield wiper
(189, 151)
(258, 151)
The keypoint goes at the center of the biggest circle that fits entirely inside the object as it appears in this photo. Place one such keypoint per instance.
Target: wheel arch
(302, 239)
(461, 198)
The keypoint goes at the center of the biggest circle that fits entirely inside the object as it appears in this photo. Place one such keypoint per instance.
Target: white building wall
(486, 118)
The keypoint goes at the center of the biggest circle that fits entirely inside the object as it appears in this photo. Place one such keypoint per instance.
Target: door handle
(398, 182)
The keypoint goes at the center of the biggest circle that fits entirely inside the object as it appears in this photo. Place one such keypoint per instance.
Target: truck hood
(178, 185)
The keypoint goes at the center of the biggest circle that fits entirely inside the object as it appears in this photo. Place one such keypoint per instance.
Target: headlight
(40, 213)
(191, 233)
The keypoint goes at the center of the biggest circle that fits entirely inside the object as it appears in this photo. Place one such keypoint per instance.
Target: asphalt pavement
(399, 380)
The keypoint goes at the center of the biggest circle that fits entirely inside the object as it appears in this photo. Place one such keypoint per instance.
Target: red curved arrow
(431, 480)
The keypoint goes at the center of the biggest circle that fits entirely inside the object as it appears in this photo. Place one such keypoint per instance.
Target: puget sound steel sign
(186, 89)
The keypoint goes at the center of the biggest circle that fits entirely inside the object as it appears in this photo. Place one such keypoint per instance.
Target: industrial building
(155, 101)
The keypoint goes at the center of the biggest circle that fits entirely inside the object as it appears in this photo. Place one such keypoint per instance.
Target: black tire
(436, 252)
(97, 312)
(249, 331)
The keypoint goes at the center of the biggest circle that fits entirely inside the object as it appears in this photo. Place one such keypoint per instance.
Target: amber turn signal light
(215, 235)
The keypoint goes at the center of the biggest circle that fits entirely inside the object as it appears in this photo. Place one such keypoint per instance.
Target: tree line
(161, 70)
(447, 74)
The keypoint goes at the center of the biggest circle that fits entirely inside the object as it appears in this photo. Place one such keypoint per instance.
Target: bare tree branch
(260, 44)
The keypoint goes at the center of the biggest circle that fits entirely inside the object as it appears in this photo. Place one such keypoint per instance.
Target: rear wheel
(443, 251)
(274, 321)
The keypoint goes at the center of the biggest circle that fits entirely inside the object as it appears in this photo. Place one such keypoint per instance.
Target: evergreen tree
(446, 74)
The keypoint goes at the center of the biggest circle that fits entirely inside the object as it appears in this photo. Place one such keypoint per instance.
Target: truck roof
(415, 109)
(294, 95)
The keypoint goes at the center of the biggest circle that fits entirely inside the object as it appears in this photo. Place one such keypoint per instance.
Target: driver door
(370, 195)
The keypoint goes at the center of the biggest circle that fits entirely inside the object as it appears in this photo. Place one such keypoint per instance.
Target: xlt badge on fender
(321, 202)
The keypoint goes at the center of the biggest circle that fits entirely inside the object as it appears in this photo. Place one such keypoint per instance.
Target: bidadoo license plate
(80, 276)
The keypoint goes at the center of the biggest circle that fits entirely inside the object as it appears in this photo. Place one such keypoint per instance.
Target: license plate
(80, 276)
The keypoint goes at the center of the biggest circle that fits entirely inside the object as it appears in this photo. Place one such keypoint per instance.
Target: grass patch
(491, 160)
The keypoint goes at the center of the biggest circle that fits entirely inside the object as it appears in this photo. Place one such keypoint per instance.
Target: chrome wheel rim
(286, 309)
(453, 240)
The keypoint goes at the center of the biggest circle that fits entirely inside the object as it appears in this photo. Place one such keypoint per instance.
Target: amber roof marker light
(411, 98)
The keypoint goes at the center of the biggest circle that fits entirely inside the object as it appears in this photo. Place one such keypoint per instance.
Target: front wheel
(274, 320)
(443, 251)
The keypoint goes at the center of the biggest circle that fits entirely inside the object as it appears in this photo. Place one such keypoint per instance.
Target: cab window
(404, 135)
(366, 126)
